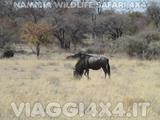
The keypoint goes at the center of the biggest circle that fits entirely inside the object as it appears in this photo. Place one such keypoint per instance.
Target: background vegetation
(97, 30)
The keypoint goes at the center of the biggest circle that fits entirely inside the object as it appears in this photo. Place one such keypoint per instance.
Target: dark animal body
(87, 62)
(8, 54)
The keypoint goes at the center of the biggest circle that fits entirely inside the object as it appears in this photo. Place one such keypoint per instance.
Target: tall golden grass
(41, 80)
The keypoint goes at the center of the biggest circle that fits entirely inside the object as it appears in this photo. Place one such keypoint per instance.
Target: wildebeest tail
(109, 69)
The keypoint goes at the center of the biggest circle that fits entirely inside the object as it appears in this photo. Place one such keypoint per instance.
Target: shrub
(152, 36)
(137, 48)
(153, 50)
(145, 45)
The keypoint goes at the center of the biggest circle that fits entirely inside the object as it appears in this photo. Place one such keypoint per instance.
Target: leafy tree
(36, 34)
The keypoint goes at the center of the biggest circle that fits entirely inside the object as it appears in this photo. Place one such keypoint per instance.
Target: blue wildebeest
(8, 54)
(87, 62)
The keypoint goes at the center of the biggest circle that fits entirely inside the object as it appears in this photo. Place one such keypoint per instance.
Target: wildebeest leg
(87, 73)
(108, 69)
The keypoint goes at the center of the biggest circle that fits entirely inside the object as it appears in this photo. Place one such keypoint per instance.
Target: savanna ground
(28, 79)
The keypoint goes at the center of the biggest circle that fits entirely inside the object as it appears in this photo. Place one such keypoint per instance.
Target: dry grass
(26, 79)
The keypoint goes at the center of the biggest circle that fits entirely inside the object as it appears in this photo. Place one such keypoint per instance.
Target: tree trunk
(67, 44)
(38, 49)
(60, 36)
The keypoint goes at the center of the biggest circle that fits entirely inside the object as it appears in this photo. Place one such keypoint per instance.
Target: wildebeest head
(79, 69)
(77, 74)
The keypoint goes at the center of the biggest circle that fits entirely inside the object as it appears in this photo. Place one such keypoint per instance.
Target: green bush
(151, 36)
(137, 48)
(145, 45)
(153, 50)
